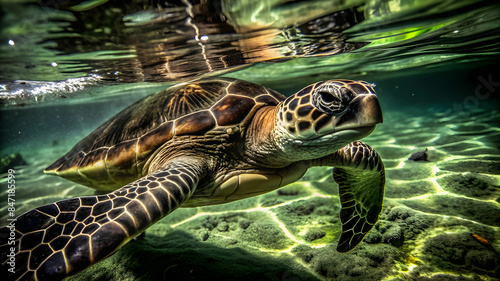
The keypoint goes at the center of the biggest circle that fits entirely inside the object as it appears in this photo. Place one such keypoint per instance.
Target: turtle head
(324, 117)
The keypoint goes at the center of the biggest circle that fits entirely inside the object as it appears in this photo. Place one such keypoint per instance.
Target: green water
(68, 66)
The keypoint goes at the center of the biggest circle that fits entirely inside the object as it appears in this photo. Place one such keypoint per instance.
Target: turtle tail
(60, 239)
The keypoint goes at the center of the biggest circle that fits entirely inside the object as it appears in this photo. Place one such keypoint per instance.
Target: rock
(459, 251)
(411, 222)
(380, 253)
(266, 234)
(302, 208)
(460, 206)
(482, 259)
(373, 237)
(314, 234)
(209, 223)
(222, 226)
(204, 235)
(469, 185)
(244, 223)
(270, 203)
(287, 192)
(479, 164)
(304, 253)
(448, 249)
(392, 233)
(394, 236)
(10, 161)
(325, 211)
(366, 262)
(419, 156)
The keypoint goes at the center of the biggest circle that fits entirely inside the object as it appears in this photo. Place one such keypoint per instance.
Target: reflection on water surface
(110, 42)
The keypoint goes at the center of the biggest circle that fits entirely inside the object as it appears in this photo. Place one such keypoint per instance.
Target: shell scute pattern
(244, 88)
(94, 157)
(117, 155)
(117, 151)
(67, 163)
(232, 109)
(194, 124)
(140, 120)
(271, 99)
(149, 141)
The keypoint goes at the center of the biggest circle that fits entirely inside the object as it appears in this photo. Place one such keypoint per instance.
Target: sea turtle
(206, 142)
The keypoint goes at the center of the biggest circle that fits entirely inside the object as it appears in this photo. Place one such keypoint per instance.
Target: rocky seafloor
(440, 221)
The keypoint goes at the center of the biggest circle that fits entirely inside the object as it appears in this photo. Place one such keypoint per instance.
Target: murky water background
(67, 66)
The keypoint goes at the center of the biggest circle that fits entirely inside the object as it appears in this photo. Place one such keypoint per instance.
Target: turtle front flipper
(63, 238)
(360, 173)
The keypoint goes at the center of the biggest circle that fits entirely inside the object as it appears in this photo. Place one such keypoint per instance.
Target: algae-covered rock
(460, 252)
(482, 259)
(210, 223)
(392, 233)
(244, 223)
(373, 237)
(266, 234)
(314, 234)
(471, 185)
(222, 226)
(367, 262)
(10, 161)
(204, 235)
(413, 223)
(304, 252)
(460, 206)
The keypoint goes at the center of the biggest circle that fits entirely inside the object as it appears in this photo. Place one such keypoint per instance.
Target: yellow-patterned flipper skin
(60, 239)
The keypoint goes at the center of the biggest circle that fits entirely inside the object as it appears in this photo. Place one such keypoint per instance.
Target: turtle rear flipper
(63, 238)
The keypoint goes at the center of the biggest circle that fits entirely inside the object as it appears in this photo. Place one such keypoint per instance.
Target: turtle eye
(326, 97)
(332, 99)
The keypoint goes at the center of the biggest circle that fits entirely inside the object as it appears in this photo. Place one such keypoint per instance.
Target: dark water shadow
(181, 256)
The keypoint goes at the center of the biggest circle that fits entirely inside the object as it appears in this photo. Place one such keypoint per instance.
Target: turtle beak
(364, 111)
(369, 112)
